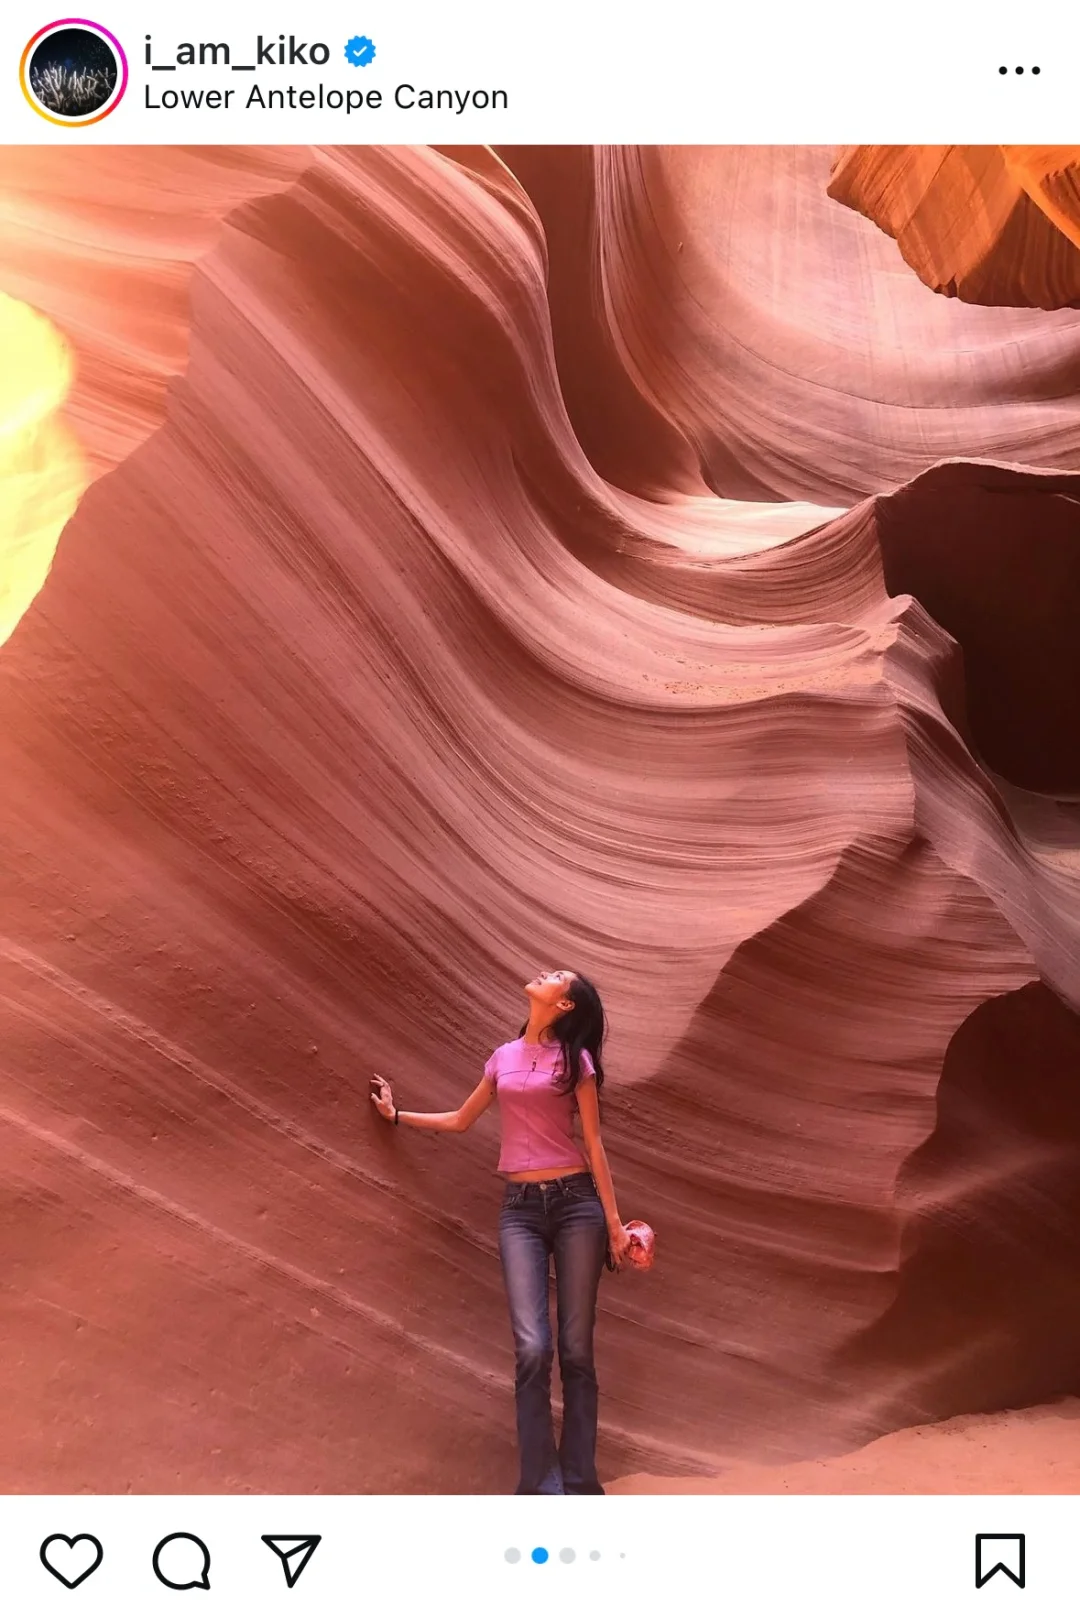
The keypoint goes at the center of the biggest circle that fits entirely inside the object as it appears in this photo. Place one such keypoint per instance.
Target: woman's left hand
(619, 1241)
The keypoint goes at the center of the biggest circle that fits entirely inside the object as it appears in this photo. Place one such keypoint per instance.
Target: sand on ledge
(1034, 1451)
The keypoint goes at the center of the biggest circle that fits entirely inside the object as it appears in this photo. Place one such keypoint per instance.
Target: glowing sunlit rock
(996, 225)
(41, 469)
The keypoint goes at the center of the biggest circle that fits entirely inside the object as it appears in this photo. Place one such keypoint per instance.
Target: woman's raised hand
(382, 1097)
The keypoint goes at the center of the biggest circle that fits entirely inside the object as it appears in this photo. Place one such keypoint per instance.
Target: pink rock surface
(107, 247)
(358, 687)
(1036, 1451)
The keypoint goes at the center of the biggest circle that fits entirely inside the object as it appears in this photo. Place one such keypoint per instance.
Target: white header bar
(564, 72)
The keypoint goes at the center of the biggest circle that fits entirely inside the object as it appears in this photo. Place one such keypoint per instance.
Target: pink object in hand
(642, 1244)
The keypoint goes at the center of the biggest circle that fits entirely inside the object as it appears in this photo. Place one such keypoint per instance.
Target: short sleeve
(491, 1069)
(587, 1066)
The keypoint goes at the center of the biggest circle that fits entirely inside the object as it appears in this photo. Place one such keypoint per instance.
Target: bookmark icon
(1002, 1554)
(294, 1551)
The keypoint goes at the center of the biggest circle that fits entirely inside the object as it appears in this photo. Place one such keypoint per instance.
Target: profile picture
(74, 72)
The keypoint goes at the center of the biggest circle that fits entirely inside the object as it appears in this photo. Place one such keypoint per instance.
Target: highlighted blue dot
(540, 1555)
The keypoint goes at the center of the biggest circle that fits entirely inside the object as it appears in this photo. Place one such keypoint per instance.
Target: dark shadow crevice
(987, 1309)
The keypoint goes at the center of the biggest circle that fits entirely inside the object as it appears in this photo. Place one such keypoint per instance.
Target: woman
(559, 1201)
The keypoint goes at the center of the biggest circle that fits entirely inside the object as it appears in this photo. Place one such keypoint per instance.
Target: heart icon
(71, 1560)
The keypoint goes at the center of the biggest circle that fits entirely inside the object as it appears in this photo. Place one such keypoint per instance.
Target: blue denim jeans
(564, 1219)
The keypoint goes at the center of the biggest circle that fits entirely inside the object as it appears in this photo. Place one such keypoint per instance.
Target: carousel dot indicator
(513, 1555)
(540, 1555)
(594, 1555)
(567, 1555)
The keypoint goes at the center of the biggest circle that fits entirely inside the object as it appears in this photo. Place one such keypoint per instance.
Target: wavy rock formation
(412, 647)
(993, 224)
(106, 249)
(774, 332)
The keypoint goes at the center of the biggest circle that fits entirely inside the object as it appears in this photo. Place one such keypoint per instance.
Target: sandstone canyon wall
(611, 558)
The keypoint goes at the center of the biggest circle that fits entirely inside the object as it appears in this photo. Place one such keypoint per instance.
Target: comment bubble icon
(182, 1561)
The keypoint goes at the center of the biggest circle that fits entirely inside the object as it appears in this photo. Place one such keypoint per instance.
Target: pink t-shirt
(536, 1111)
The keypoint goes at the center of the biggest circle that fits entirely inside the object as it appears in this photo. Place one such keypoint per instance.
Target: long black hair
(582, 1027)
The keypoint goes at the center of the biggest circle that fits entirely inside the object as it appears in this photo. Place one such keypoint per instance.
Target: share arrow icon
(294, 1551)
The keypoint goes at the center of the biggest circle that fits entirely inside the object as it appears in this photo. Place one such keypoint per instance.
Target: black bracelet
(397, 1117)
